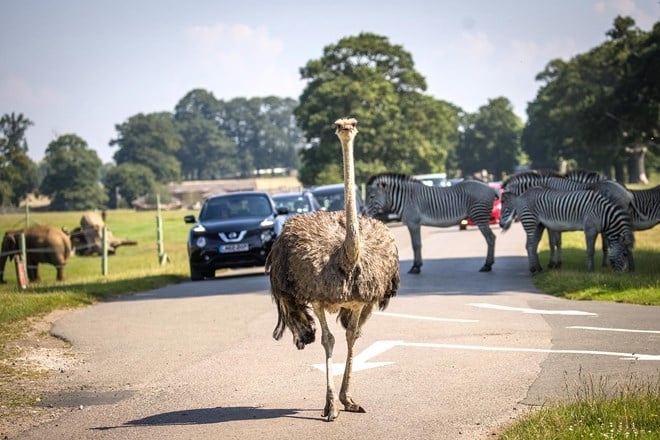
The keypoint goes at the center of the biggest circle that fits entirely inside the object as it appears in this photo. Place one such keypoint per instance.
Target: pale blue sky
(84, 66)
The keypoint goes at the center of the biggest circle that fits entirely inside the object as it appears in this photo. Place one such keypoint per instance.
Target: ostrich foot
(331, 410)
(351, 406)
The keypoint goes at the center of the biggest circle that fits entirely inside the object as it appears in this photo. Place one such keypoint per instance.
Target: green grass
(598, 410)
(132, 269)
(574, 282)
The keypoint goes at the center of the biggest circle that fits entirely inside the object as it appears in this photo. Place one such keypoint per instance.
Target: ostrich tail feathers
(298, 318)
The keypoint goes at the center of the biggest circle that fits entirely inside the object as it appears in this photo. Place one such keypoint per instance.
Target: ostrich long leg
(352, 333)
(331, 410)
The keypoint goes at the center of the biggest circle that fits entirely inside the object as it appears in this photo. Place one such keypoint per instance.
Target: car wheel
(196, 275)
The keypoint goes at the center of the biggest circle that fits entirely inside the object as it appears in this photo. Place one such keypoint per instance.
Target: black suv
(233, 230)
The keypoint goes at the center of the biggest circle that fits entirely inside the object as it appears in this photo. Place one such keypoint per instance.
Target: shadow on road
(204, 416)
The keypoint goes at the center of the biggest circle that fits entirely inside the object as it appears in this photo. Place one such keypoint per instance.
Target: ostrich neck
(352, 240)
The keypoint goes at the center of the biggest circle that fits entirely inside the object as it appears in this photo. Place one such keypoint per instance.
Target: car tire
(196, 275)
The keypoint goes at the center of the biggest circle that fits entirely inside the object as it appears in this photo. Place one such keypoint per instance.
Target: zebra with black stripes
(574, 180)
(646, 212)
(422, 205)
(539, 208)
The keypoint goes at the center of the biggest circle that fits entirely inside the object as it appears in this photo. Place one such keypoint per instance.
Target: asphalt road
(457, 354)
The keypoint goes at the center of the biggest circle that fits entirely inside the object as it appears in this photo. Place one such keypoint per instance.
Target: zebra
(418, 204)
(540, 207)
(646, 212)
(574, 180)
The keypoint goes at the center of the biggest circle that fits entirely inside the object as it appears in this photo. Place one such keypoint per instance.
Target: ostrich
(335, 262)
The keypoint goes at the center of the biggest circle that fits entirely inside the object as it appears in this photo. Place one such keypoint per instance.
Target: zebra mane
(397, 177)
(585, 176)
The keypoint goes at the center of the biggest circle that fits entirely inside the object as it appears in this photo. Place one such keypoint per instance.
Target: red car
(494, 215)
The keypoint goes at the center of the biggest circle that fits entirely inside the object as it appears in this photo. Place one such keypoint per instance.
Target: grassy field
(131, 269)
(574, 282)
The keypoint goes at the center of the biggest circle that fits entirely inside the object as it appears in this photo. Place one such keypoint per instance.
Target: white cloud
(239, 60)
(624, 7)
(477, 44)
(237, 39)
(20, 93)
(643, 19)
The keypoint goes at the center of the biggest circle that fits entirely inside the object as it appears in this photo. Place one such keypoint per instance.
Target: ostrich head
(346, 129)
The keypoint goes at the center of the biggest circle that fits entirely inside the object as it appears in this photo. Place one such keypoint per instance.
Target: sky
(83, 67)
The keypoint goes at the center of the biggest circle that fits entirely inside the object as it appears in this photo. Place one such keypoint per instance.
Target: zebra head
(386, 193)
(378, 200)
(508, 210)
(620, 253)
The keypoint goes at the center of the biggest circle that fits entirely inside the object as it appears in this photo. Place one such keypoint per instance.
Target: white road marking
(424, 318)
(605, 329)
(361, 361)
(532, 311)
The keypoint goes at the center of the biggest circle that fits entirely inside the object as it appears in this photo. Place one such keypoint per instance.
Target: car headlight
(200, 242)
(267, 235)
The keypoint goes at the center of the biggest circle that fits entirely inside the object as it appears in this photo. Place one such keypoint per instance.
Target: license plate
(238, 247)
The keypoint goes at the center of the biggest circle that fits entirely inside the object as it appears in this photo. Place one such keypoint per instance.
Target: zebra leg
(534, 234)
(416, 240)
(590, 238)
(490, 240)
(554, 238)
(605, 246)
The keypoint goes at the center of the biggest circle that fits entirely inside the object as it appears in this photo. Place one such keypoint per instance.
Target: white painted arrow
(361, 361)
(532, 311)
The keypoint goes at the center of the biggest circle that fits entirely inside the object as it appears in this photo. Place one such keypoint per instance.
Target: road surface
(458, 354)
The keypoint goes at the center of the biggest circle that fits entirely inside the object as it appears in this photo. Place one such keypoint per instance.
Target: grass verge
(598, 410)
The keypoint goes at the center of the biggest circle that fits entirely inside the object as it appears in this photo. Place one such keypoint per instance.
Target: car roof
(289, 194)
(238, 193)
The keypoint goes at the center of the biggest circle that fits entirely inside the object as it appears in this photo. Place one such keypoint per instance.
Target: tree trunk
(636, 167)
(619, 171)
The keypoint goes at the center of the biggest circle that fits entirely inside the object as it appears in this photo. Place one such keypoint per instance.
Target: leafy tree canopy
(129, 181)
(72, 173)
(368, 78)
(594, 107)
(491, 139)
(237, 137)
(151, 140)
(18, 173)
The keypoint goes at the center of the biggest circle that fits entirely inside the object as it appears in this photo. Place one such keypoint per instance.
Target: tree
(206, 152)
(367, 77)
(151, 140)
(72, 175)
(491, 139)
(237, 137)
(600, 105)
(128, 181)
(18, 173)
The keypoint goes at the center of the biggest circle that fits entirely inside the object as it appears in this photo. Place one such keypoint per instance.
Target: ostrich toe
(331, 410)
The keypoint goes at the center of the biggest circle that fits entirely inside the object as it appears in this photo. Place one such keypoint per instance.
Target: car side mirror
(189, 219)
(282, 210)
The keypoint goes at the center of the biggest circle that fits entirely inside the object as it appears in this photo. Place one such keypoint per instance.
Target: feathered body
(305, 267)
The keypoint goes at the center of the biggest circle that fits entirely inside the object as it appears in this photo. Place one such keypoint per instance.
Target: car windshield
(234, 207)
(294, 203)
(333, 199)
